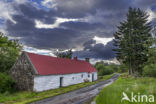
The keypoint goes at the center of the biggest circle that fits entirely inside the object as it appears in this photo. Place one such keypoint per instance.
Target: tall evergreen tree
(132, 40)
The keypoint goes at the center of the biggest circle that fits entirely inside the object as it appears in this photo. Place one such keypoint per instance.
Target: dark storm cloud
(88, 44)
(23, 24)
(40, 38)
(80, 8)
(73, 33)
(100, 19)
(89, 29)
(98, 51)
(31, 12)
(82, 26)
(52, 38)
(114, 5)
(144, 4)
(74, 8)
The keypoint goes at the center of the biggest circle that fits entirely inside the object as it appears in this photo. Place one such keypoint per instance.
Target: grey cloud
(74, 34)
(29, 11)
(80, 8)
(42, 38)
(144, 4)
(90, 29)
(22, 24)
(114, 5)
(98, 51)
(74, 8)
(102, 18)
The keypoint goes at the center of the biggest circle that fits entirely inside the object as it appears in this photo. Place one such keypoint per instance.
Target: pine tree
(132, 40)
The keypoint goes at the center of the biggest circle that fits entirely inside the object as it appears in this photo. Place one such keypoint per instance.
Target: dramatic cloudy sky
(86, 26)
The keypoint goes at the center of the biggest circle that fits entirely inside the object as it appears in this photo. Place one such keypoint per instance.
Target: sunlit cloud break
(40, 24)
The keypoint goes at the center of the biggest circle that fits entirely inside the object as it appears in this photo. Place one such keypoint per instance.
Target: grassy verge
(113, 93)
(25, 97)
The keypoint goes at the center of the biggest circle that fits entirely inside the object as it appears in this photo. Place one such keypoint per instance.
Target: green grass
(25, 97)
(113, 93)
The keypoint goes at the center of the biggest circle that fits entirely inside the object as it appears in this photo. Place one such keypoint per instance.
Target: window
(72, 77)
(88, 75)
(81, 75)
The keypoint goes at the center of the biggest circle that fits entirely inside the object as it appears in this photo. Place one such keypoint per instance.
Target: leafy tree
(9, 51)
(66, 54)
(132, 40)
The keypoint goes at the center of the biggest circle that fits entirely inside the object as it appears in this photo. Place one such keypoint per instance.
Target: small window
(81, 75)
(88, 75)
(72, 77)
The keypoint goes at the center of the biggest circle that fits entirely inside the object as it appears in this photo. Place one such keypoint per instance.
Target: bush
(6, 83)
(149, 70)
(100, 67)
(104, 68)
(105, 71)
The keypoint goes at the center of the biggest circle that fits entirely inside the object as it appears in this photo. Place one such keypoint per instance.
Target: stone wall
(23, 73)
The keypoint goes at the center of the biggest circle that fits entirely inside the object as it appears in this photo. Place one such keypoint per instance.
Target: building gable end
(33, 67)
(23, 73)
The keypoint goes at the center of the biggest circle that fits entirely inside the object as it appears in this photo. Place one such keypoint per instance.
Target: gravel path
(79, 96)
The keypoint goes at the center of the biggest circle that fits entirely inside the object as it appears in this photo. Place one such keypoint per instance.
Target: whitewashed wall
(42, 83)
(95, 75)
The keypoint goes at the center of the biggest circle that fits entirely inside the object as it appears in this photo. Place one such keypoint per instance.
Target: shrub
(105, 71)
(6, 83)
(100, 67)
(149, 70)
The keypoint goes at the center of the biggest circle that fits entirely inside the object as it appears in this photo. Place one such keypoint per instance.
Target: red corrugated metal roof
(46, 65)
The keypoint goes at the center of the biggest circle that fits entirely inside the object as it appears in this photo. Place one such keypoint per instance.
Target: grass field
(139, 86)
(25, 97)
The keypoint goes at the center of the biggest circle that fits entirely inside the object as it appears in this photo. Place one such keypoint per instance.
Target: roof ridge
(56, 57)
